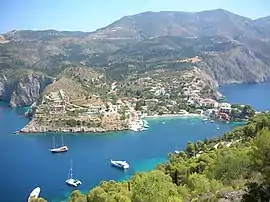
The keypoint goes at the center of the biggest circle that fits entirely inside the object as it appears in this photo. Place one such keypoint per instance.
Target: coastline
(69, 131)
(33, 127)
(189, 115)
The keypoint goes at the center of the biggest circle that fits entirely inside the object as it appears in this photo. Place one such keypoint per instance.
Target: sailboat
(70, 181)
(59, 149)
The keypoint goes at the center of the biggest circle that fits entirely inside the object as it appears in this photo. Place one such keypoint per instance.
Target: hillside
(230, 48)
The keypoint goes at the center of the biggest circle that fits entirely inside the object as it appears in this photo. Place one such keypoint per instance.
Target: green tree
(230, 164)
(77, 196)
(191, 149)
(248, 111)
(154, 186)
(199, 184)
(39, 199)
(261, 153)
(110, 192)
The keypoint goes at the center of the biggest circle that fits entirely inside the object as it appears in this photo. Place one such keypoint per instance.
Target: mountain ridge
(230, 48)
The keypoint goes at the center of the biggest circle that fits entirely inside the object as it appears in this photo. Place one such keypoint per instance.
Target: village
(126, 105)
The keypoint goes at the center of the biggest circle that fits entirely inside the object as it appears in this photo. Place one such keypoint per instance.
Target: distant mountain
(156, 24)
(263, 26)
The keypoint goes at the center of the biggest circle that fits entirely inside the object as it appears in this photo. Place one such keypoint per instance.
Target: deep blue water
(257, 95)
(26, 162)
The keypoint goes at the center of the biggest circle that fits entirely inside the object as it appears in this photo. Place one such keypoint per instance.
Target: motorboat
(63, 148)
(205, 119)
(34, 194)
(176, 152)
(212, 121)
(71, 181)
(120, 164)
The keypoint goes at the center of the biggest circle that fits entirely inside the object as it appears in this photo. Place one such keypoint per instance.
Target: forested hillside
(235, 167)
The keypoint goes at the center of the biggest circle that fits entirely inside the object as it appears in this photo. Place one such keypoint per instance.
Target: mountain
(263, 26)
(165, 23)
(230, 48)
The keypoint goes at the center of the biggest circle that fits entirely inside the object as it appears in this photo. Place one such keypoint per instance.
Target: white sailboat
(120, 164)
(71, 181)
(63, 148)
(34, 194)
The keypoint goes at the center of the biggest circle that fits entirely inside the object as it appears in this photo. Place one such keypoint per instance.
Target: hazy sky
(89, 15)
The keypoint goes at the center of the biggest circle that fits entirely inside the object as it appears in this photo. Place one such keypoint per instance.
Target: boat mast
(53, 142)
(62, 140)
(70, 171)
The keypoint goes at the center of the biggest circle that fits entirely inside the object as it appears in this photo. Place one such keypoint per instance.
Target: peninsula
(85, 100)
(154, 63)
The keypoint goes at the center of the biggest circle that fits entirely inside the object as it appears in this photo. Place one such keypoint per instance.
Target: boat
(205, 119)
(34, 194)
(63, 148)
(71, 181)
(176, 152)
(134, 128)
(217, 127)
(212, 121)
(145, 124)
(120, 164)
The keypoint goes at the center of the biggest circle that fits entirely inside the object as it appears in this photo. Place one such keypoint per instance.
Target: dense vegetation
(242, 166)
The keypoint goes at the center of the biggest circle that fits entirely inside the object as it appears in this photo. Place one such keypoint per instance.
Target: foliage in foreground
(207, 177)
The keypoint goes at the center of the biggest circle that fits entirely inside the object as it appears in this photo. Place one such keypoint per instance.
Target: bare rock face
(23, 91)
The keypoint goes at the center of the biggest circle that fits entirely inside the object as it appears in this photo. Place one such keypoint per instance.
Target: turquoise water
(27, 163)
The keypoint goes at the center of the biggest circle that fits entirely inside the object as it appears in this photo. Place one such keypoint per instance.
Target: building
(224, 116)
(225, 108)
(209, 103)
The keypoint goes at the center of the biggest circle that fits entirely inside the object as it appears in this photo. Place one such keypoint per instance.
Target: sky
(89, 15)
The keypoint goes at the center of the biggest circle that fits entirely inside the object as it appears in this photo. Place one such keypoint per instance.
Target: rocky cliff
(22, 90)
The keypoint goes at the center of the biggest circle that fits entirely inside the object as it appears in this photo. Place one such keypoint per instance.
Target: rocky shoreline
(36, 128)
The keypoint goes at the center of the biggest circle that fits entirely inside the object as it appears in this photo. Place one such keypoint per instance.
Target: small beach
(168, 116)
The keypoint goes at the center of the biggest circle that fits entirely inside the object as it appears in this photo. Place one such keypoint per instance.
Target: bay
(255, 94)
(27, 163)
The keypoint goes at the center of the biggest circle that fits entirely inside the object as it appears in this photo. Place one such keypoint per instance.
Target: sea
(25, 160)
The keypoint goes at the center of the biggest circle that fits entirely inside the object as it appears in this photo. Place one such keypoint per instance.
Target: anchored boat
(120, 164)
(63, 148)
(71, 181)
(34, 194)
